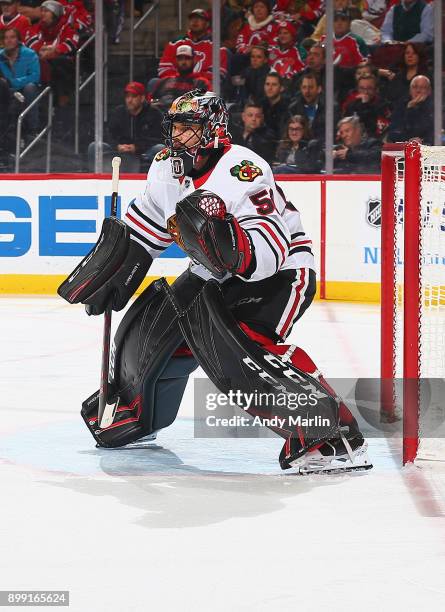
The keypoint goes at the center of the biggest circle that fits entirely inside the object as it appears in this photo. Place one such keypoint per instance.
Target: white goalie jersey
(244, 181)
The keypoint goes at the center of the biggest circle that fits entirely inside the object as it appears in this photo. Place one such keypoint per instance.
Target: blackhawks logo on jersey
(163, 154)
(246, 171)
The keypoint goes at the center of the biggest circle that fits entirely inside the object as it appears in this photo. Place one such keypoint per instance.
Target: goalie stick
(106, 412)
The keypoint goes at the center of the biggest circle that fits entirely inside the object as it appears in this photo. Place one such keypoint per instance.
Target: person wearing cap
(56, 42)
(199, 24)
(20, 69)
(349, 49)
(284, 57)
(11, 18)
(260, 27)
(167, 90)
(133, 129)
(320, 29)
(199, 38)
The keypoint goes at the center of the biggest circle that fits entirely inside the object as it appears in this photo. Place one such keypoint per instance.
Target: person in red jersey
(166, 90)
(260, 27)
(304, 13)
(198, 37)
(78, 16)
(11, 18)
(349, 49)
(284, 57)
(199, 26)
(56, 42)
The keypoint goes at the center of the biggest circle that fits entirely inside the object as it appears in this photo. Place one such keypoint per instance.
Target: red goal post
(412, 287)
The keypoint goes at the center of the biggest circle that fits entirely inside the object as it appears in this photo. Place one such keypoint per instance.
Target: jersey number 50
(263, 201)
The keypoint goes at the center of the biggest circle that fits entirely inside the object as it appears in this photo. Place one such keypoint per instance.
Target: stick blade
(107, 418)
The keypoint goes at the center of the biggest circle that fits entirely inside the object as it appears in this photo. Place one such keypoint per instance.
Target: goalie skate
(335, 456)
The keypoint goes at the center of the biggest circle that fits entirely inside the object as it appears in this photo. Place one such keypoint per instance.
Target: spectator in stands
(349, 49)
(343, 77)
(20, 68)
(294, 153)
(315, 63)
(232, 20)
(413, 116)
(260, 27)
(359, 25)
(255, 74)
(253, 134)
(31, 9)
(366, 103)
(11, 18)
(374, 11)
(275, 108)
(4, 122)
(198, 37)
(56, 42)
(78, 17)
(414, 62)
(167, 90)
(316, 59)
(310, 104)
(134, 128)
(408, 21)
(306, 14)
(320, 30)
(284, 57)
(199, 24)
(355, 154)
(114, 19)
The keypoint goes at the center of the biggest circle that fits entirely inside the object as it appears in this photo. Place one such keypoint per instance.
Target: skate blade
(334, 465)
(330, 469)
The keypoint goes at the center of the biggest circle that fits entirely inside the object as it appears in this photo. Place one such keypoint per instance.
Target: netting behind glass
(431, 350)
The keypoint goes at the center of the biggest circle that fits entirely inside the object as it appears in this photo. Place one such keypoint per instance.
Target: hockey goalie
(250, 279)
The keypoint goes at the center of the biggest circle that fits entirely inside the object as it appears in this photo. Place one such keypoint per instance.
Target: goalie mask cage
(413, 293)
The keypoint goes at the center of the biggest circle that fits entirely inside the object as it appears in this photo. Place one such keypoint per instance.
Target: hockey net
(413, 296)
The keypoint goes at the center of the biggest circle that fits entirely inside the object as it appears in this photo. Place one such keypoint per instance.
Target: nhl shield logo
(374, 212)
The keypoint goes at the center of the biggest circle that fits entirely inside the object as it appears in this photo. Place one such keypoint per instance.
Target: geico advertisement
(353, 222)
(48, 225)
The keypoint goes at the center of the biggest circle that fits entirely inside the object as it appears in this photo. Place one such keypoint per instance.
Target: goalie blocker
(112, 270)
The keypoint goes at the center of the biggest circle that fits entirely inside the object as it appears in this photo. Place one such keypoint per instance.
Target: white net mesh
(432, 346)
(432, 298)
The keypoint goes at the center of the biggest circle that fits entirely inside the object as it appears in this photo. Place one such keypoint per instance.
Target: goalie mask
(195, 124)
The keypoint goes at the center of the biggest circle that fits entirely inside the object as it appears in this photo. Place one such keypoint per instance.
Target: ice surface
(189, 524)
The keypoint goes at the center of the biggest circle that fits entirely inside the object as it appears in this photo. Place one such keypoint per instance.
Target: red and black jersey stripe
(150, 233)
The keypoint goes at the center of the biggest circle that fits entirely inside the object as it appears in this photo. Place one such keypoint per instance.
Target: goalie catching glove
(212, 236)
(110, 273)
